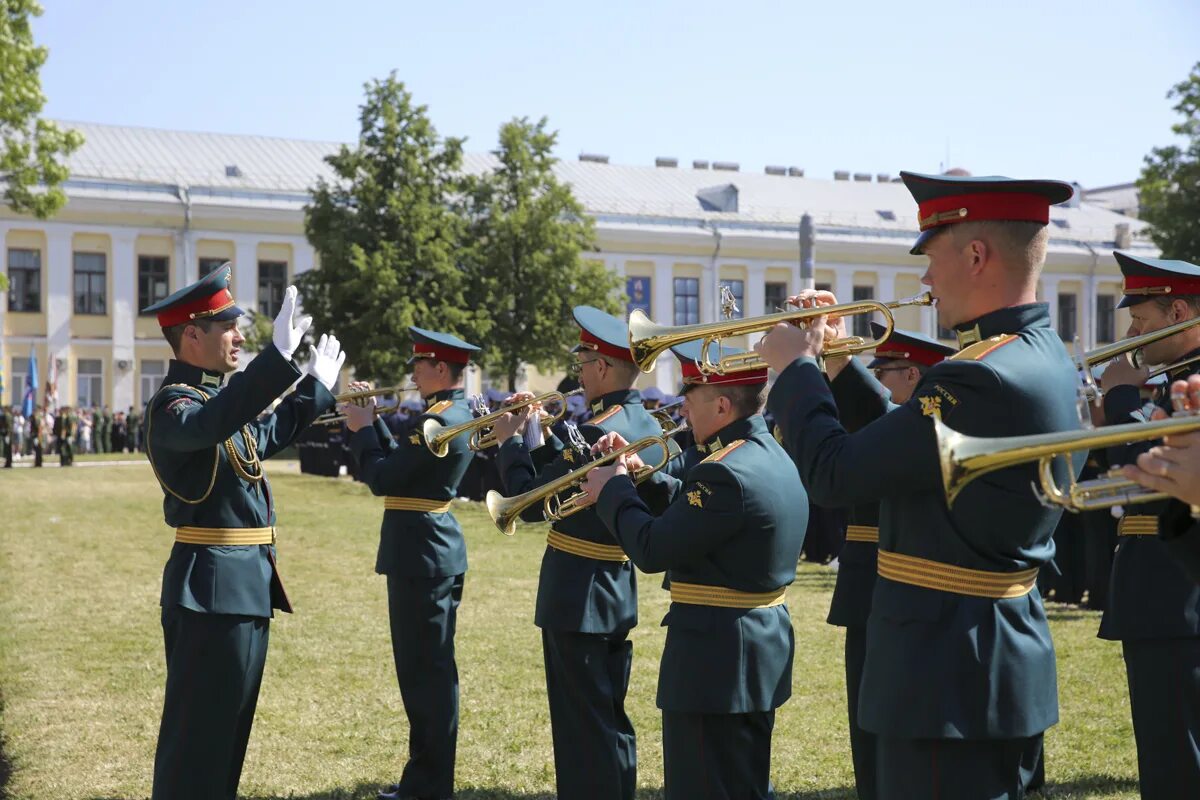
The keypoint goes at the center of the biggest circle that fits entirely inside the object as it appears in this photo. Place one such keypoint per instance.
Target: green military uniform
(959, 679)
(66, 446)
(1181, 533)
(730, 540)
(1153, 607)
(38, 434)
(587, 593)
(103, 432)
(206, 439)
(860, 400)
(424, 556)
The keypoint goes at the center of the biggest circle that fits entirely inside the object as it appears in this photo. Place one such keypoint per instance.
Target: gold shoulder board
(977, 351)
(439, 407)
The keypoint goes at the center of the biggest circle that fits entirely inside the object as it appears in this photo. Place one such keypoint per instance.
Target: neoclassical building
(151, 210)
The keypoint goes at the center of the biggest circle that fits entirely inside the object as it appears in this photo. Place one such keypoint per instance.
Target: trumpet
(333, 418)
(505, 510)
(1130, 347)
(663, 415)
(647, 340)
(965, 458)
(438, 436)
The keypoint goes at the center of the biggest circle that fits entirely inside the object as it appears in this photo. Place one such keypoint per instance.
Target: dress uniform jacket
(575, 593)
(1181, 532)
(1150, 597)
(417, 543)
(942, 664)
(190, 418)
(738, 522)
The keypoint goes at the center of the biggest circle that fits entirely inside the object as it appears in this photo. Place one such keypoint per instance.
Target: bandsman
(959, 679)
(730, 540)
(423, 555)
(206, 441)
(1153, 607)
(862, 396)
(587, 591)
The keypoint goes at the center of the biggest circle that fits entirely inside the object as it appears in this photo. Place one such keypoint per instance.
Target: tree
(30, 148)
(1169, 186)
(529, 238)
(387, 232)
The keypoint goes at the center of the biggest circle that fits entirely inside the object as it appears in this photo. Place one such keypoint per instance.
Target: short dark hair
(626, 370)
(746, 400)
(174, 334)
(1164, 303)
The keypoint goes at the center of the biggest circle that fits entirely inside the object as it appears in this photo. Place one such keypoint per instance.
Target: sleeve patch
(181, 404)
(697, 493)
(414, 438)
(938, 402)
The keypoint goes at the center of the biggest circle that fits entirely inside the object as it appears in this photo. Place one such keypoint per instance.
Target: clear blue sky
(1066, 89)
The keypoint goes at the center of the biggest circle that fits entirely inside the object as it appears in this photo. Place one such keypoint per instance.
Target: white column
(1050, 295)
(1087, 313)
(245, 273)
(662, 302)
(5, 363)
(59, 307)
(305, 255)
(124, 315)
(186, 266)
(843, 283)
(886, 290)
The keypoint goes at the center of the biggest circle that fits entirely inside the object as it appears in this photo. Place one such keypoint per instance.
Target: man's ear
(978, 251)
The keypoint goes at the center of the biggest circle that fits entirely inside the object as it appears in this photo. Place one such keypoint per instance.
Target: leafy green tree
(529, 239)
(1169, 187)
(31, 149)
(387, 230)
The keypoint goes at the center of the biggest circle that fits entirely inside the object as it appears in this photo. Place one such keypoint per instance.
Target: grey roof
(142, 163)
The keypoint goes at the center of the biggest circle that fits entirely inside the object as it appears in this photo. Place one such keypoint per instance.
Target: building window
(208, 265)
(152, 372)
(738, 289)
(89, 383)
(272, 280)
(24, 280)
(687, 301)
(861, 323)
(1106, 318)
(776, 298)
(90, 295)
(1067, 314)
(17, 374)
(152, 280)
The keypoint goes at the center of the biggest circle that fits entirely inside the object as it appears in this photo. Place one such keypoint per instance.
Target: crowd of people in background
(75, 431)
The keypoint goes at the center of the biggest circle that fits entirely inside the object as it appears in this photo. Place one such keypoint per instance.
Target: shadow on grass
(1087, 786)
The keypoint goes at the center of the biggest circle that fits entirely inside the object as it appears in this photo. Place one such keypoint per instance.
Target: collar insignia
(210, 380)
(415, 438)
(968, 337)
(568, 455)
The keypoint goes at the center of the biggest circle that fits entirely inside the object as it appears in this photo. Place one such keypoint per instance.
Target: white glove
(287, 335)
(325, 360)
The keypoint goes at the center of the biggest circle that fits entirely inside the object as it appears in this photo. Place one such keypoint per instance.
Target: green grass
(82, 672)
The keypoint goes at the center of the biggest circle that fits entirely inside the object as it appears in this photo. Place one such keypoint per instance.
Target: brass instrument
(334, 418)
(1130, 347)
(647, 340)
(505, 510)
(663, 415)
(965, 458)
(438, 436)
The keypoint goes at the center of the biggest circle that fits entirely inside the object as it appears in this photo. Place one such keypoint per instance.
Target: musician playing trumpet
(730, 540)
(423, 555)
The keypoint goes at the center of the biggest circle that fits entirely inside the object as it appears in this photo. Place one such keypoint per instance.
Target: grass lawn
(82, 666)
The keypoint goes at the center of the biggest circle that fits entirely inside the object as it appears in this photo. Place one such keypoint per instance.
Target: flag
(52, 387)
(31, 383)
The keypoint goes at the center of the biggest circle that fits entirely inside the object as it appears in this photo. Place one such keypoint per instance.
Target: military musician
(959, 680)
(423, 554)
(206, 442)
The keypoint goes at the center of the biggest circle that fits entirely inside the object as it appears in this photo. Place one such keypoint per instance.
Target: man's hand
(597, 478)
(613, 441)
(1119, 372)
(325, 360)
(784, 343)
(288, 334)
(506, 426)
(357, 417)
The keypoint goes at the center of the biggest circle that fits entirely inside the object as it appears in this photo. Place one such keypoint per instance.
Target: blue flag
(31, 384)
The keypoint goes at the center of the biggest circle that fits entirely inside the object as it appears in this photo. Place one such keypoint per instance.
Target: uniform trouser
(956, 769)
(595, 750)
(1164, 695)
(8, 452)
(423, 614)
(214, 670)
(862, 743)
(66, 454)
(717, 756)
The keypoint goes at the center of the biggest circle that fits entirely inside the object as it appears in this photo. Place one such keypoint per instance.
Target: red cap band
(600, 346)
(693, 376)
(1007, 206)
(197, 309)
(918, 354)
(1161, 284)
(441, 352)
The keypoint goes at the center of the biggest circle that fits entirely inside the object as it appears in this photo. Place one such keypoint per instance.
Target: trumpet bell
(503, 512)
